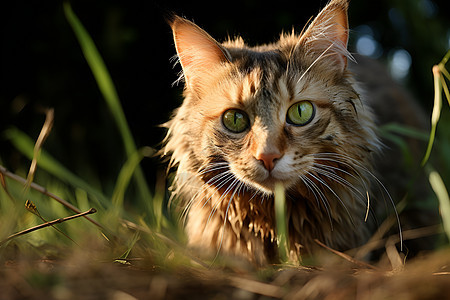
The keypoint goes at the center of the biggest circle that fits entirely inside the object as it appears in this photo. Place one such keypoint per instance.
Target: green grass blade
(444, 200)
(126, 173)
(404, 130)
(281, 222)
(101, 74)
(158, 201)
(402, 145)
(436, 112)
(444, 70)
(108, 91)
(25, 145)
(123, 258)
(445, 88)
(445, 59)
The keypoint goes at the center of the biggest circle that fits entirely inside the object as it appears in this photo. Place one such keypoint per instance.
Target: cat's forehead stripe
(251, 83)
(264, 73)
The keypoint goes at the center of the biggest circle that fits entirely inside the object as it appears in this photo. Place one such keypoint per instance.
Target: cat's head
(270, 113)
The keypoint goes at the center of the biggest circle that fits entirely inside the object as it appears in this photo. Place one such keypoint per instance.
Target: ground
(85, 275)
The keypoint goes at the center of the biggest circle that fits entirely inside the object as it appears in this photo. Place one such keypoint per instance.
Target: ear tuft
(198, 52)
(328, 33)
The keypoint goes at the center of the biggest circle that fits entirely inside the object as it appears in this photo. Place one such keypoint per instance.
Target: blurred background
(42, 65)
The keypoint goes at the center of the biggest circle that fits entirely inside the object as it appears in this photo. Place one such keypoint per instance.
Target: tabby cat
(289, 113)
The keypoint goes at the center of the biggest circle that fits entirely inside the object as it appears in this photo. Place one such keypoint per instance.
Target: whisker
(368, 207)
(342, 160)
(358, 193)
(324, 156)
(340, 180)
(255, 193)
(334, 193)
(359, 178)
(219, 201)
(209, 168)
(228, 177)
(232, 186)
(394, 208)
(323, 198)
(211, 183)
(213, 167)
(308, 187)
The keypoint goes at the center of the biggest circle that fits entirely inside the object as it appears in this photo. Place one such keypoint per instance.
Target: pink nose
(268, 159)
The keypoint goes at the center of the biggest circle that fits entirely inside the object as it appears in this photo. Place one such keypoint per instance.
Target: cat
(291, 113)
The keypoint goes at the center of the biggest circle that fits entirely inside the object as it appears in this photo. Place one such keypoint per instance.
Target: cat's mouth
(267, 184)
(262, 180)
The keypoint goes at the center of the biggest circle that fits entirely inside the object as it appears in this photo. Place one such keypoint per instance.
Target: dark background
(42, 64)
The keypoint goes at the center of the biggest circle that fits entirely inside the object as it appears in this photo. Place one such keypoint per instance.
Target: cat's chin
(268, 186)
(266, 183)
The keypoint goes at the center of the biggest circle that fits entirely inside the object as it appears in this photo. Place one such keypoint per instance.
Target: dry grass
(84, 274)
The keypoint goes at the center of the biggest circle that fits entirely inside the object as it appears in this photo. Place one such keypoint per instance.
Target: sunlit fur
(325, 166)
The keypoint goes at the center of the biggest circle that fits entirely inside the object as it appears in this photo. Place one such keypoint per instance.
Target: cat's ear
(198, 52)
(327, 35)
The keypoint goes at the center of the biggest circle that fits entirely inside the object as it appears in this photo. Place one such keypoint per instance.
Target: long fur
(326, 166)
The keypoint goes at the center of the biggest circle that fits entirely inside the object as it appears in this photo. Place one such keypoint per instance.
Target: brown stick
(47, 224)
(346, 256)
(44, 191)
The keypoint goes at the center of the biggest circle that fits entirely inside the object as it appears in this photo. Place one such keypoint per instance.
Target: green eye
(235, 120)
(301, 113)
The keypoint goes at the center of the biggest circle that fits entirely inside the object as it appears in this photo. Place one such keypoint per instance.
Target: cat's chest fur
(242, 224)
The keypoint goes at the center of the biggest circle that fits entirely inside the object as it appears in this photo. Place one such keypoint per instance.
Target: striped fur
(325, 166)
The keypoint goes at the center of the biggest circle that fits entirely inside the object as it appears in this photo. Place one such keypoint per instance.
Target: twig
(257, 287)
(410, 234)
(346, 256)
(393, 255)
(5, 188)
(31, 207)
(45, 132)
(44, 191)
(51, 223)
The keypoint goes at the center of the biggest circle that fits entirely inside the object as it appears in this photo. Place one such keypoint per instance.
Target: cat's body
(289, 113)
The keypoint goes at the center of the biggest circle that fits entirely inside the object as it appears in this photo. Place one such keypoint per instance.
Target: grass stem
(51, 223)
(44, 191)
(109, 92)
(281, 223)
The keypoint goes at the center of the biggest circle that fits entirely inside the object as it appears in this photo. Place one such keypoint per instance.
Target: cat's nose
(268, 159)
